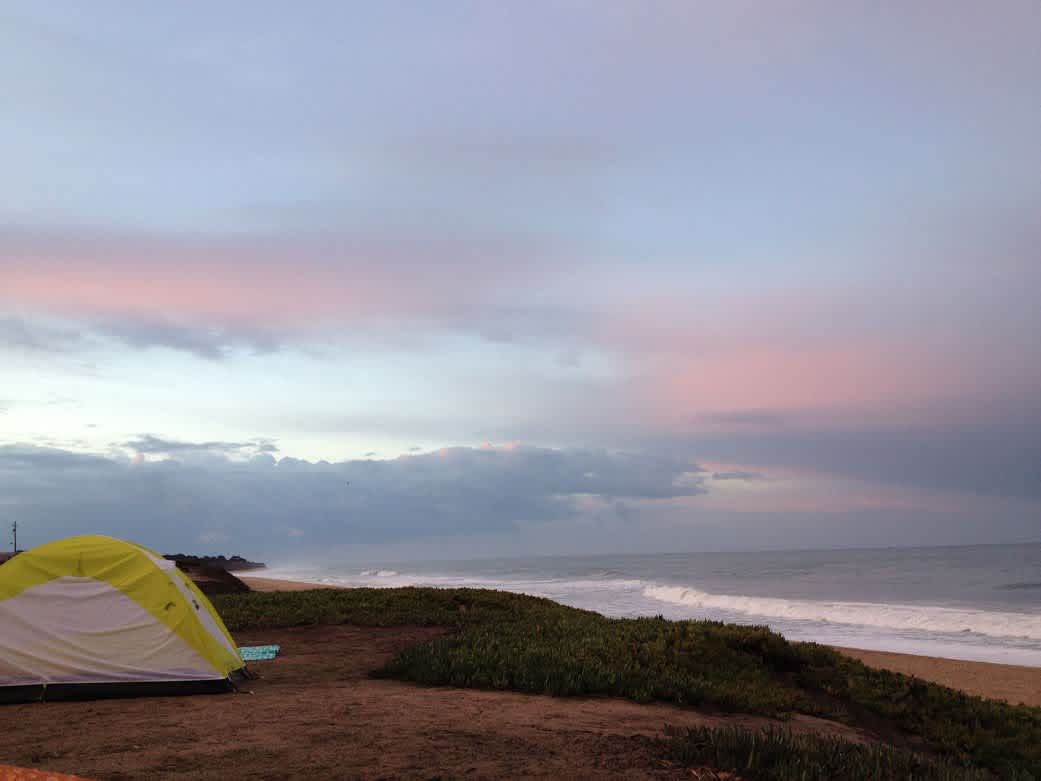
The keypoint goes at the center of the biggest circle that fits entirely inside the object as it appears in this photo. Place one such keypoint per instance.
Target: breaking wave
(996, 620)
(921, 618)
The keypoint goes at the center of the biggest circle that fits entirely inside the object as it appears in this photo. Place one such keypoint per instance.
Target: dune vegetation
(777, 755)
(500, 640)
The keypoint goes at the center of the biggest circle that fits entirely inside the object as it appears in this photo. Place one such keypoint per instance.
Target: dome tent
(94, 616)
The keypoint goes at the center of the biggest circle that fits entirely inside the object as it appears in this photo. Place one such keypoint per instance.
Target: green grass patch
(563, 653)
(452, 608)
(500, 640)
(777, 755)
(973, 730)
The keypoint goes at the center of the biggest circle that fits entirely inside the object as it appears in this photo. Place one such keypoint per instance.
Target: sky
(468, 278)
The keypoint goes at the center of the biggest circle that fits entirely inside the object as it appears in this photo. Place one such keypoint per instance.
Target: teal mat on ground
(258, 653)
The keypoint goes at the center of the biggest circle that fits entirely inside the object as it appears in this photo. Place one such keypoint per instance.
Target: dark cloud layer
(738, 475)
(150, 445)
(211, 343)
(17, 333)
(993, 460)
(254, 505)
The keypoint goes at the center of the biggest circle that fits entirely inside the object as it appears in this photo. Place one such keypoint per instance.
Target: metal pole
(14, 531)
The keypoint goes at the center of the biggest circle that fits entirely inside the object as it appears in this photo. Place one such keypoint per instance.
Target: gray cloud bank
(995, 460)
(739, 475)
(200, 497)
(72, 337)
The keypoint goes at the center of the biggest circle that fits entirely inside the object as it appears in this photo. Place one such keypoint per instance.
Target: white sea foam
(985, 632)
(630, 596)
(921, 618)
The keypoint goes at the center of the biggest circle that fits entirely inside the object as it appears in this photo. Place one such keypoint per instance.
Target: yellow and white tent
(96, 616)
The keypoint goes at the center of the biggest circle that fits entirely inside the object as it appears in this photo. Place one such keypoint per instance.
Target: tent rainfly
(94, 616)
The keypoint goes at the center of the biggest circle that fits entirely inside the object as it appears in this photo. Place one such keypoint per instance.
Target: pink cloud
(788, 377)
(186, 289)
(678, 360)
(280, 281)
(817, 357)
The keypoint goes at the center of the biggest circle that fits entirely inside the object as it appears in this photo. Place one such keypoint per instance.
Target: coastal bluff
(213, 574)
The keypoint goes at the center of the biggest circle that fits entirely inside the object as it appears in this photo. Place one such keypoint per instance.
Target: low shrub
(502, 640)
(777, 755)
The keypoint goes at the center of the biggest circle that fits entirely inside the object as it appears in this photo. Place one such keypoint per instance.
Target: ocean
(974, 602)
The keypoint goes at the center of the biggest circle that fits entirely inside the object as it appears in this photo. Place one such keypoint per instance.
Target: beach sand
(997, 681)
(985, 679)
(271, 584)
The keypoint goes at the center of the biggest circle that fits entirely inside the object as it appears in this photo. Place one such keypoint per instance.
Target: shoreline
(1012, 683)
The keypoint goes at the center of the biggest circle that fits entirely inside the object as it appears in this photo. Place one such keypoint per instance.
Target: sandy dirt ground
(997, 681)
(315, 714)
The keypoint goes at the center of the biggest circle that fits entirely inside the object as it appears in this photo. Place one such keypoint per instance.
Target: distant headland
(229, 564)
(212, 574)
